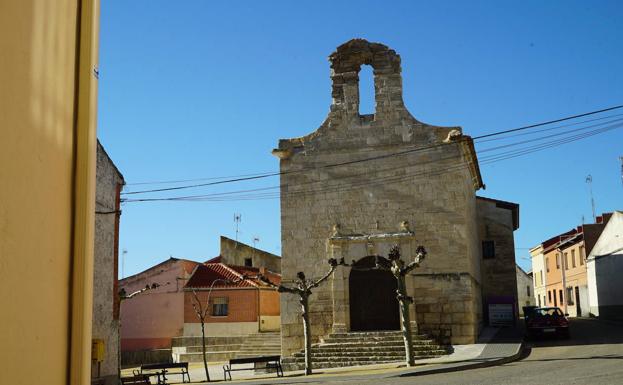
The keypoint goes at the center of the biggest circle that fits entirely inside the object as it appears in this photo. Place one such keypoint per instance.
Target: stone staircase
(261, 344)
(188, 349)
(363, 348)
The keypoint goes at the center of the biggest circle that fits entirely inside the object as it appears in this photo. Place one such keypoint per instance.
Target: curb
(466, 366)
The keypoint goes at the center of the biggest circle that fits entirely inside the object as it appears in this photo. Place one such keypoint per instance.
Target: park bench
(269, 362)
(136, 379)
(164, 368)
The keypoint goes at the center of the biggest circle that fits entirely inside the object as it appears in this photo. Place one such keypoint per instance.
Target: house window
(560, 295)
(566, 261)
(549, 296)
(248, 262)
(582, 256)
(541, 277)
(219, 306)
(488, 249)
(547, 264)
(555, 300)
(528, 290)
(538, 297)
(569, 296)
(573, 258)
(558, 261)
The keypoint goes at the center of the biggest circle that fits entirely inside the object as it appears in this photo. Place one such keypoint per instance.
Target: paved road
(593, 356)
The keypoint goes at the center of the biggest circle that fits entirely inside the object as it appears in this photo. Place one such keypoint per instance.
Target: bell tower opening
(367, 102)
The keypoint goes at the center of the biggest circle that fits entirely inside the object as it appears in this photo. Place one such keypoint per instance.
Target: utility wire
(483, 160)
(389, 179)
(384, 156)
(547, 123)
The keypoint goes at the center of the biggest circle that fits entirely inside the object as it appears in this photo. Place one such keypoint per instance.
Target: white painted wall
(270, 323)
(538, 276)
(605, 267)
(524, 281)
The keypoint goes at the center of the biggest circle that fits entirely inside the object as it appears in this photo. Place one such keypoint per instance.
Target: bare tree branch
(333, 264)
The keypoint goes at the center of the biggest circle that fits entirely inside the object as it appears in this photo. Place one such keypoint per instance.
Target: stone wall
(497, 220)
(235, 253)
(431, 185)
(105, 311)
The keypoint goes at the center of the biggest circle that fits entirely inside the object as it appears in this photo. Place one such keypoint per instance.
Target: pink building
(150, 320)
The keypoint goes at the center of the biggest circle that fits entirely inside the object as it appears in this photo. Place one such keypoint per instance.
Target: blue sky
(199, 89)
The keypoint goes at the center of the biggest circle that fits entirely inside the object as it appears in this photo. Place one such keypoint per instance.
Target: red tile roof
(206, 274)
(214, 260)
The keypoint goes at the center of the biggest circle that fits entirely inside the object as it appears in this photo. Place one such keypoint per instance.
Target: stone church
(362, 183)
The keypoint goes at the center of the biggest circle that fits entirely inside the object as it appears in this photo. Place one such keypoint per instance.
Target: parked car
(545, 321)
(527, 311)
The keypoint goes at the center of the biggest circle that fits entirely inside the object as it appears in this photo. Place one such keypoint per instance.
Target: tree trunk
(405, 320)
(307, 334)
(203, 350)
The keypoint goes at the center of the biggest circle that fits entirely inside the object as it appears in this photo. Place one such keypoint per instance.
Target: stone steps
(261, 344)
(211, 356)
(188, 349)
(210, 348)
(363, 348)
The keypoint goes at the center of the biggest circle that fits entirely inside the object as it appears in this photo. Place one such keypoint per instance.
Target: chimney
(263, 270)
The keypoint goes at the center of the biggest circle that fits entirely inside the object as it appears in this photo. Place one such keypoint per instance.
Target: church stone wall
(433, 189)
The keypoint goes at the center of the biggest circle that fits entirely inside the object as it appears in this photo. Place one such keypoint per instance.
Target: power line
(337, 188)
(384, 156)
(548, 122)
(485, 160)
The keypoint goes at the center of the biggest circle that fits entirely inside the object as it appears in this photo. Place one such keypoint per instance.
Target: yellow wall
(47, 169)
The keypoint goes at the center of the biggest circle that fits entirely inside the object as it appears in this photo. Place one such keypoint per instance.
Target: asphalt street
(593, 355)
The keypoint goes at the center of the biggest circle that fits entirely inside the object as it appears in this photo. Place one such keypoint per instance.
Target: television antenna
(237, 220)
(589, 180)
(123, 253)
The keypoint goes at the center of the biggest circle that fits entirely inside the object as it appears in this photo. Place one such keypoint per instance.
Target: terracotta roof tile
(206, 274)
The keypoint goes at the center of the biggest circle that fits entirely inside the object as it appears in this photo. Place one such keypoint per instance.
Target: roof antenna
(589, 180)
(237, 220)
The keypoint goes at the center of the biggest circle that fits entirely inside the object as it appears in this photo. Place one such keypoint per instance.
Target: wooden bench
(164, 368)
(136, 379)
(271, 362)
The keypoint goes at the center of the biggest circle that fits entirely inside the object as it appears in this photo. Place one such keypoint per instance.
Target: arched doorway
(372, 297)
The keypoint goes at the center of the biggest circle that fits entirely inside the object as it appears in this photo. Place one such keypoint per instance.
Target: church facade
(360, 184)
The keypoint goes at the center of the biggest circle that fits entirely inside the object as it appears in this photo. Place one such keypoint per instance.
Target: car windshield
(547, 312)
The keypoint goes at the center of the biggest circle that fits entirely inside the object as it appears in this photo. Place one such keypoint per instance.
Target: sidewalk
(495, 347)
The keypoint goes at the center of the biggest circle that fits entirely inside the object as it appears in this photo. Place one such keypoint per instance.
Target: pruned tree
(202, 313)
(302, 288)
(399, 270)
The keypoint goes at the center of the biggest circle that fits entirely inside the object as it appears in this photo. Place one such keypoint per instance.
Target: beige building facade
(48, 102)
(362, 183)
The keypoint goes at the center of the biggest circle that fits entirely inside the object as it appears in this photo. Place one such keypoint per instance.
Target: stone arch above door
(353, 248)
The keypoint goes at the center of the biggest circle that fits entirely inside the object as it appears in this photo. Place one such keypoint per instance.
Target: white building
(525, 289)
(538, 275)
(604, 270)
